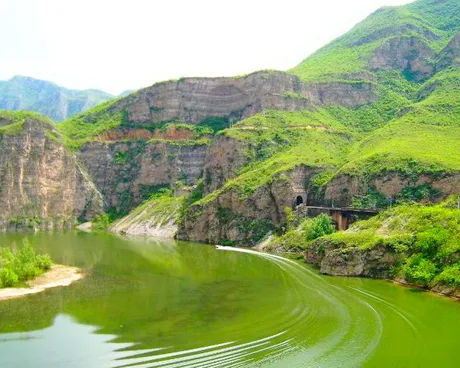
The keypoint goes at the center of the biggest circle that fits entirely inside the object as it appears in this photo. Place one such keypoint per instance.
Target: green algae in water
(148, 303)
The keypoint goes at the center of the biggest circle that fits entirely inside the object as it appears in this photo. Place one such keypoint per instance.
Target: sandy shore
(58, 275)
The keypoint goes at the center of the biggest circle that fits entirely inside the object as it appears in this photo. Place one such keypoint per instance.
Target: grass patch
(85, 127)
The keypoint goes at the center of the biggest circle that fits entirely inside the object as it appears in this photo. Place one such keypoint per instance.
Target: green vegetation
(297, 239)
(278, 141)
(101, 223)
(425, 236)
(213, 124)
(432, 22)
(412, 149)
(21, 264)
(162, 207)
(412, 125)
(12, 121)
(84, 127)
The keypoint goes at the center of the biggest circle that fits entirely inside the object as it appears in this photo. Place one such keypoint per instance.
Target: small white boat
(219, 246)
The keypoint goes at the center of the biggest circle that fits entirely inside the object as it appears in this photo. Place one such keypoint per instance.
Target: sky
(118, 45)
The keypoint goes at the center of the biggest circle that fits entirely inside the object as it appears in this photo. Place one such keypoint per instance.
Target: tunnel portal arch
(299, 200)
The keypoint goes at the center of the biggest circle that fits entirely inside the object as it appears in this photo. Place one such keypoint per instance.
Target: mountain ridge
(56, 102)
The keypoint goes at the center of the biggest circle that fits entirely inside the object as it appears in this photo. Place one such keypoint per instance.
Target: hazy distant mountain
(126, 93)
(58, 103)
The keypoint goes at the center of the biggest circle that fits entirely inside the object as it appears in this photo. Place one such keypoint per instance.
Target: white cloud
(116, 45)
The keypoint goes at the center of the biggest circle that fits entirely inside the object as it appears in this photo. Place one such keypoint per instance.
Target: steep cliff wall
(194, 100)
(344, 189)
(41, 184)
(233, 218)
(126, 173)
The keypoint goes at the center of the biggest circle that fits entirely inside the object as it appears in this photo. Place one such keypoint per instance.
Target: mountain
(372, 118)
(58, 103)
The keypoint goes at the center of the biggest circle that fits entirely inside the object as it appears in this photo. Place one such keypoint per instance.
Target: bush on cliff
(21, 264)
(297, 239)
(427, 237)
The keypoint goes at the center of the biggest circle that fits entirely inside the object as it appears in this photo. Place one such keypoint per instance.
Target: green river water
(147, 303)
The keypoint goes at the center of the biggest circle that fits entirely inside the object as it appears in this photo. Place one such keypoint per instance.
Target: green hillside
(432, 22)
(278, 141)
(58, 103)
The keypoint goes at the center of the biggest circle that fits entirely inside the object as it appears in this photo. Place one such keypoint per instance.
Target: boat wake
(319, 327)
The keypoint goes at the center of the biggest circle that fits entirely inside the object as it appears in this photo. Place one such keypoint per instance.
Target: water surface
(147, 303)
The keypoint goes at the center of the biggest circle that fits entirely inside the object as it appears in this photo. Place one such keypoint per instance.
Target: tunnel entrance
(298, 200)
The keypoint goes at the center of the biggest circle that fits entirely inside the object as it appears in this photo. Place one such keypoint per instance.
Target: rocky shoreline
(374, 263)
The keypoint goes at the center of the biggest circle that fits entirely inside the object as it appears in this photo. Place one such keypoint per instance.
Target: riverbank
(58, 275)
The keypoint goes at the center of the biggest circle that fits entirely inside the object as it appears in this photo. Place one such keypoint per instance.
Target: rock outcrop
(333, 260)
(157, 218)
(223, 159)
(342, 189)
(409, 55)
(126, 173)
(42, 184)
(194, 100)
(450, 55)
(234, 218)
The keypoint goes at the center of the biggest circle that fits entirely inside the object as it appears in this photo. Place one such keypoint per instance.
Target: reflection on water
(151, 303)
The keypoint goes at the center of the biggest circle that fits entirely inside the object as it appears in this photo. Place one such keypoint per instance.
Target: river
(149, 303)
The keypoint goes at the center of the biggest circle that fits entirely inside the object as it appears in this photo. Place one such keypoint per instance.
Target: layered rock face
(194, 100)
(236, 219)
(342, 189)
(223, 159)
(126, 173)
(42, 186)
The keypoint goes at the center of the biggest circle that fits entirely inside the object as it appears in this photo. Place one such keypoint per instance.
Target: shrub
(289, 216)
(100, 223)
(296, 239)
(8, 277)
(22, 264)
(26, 271)
(429, 241)
(450, 276)
(419, 270)
(44, 262)
(26, 254)
(318, 226)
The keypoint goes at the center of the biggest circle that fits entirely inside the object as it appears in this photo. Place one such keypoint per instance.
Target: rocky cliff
(234, 218)
(194, 100)
(127, 173)
(42, 184)
(333, 260)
